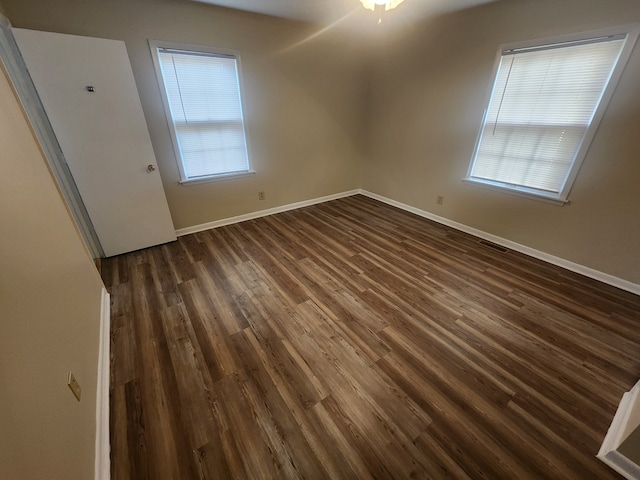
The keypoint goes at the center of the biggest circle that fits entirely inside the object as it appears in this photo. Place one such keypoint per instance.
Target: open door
(88, 91)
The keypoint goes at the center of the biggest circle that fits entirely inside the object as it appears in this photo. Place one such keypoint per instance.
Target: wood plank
(351, 339)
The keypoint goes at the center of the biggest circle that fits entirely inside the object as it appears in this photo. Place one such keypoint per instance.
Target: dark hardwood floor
(352, 340)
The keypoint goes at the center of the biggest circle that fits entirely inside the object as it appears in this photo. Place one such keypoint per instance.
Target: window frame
(154, 46)
(631, 32)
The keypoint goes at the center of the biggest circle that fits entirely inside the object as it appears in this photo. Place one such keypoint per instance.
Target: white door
(89, 93)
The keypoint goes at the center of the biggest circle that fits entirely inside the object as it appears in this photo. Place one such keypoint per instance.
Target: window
(201, 94)
(544, 108)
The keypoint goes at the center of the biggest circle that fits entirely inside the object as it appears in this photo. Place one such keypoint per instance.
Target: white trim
(621, 427)
(154, 47)
(216, 178)
(621, 464)
(513, 190)
(263, 213)
(630, 33)
(39, 122)
(560, 262)
(102, 462)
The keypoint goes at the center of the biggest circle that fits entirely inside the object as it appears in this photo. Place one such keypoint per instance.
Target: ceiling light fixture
(380, 6)
(386, 4)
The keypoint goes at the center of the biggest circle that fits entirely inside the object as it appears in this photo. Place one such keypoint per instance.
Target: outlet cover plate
(74, 386)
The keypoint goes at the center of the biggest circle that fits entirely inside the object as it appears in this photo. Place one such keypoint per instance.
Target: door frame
(15, 67)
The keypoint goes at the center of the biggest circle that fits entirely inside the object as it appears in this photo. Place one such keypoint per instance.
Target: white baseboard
(103, 463)
(262, 213)
(561, 262)
(624, 422)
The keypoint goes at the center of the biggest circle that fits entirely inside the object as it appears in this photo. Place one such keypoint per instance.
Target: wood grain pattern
(354, 340)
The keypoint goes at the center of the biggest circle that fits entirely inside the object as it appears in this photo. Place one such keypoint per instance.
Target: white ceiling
(329, 11)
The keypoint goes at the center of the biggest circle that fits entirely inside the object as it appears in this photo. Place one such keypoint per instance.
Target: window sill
(532, 195)
(216, 178)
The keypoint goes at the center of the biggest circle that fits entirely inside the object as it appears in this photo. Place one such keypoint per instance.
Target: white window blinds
(542, 105)
(203, 96)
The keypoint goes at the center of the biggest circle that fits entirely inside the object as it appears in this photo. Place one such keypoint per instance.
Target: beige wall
(311, 120)
(429, 93)
(305, 109)
(302, 101)
(50, 297)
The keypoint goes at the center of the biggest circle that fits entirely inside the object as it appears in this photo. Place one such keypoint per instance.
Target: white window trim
(154, 45)
(632, 32)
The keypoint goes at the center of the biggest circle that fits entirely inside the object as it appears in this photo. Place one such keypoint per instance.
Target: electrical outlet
(440, 200)
(260, 195)
(74, 386)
